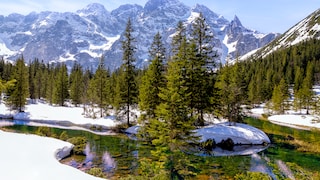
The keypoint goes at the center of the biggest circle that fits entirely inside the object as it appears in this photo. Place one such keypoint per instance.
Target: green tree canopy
(20, 91)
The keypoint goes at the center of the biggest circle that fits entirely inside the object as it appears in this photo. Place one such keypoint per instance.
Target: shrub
(96, 172)
(264, 116)
(252, 176)
(208, 145)
(79, 144)
(227, 144)
(44, 131)
(64, 136)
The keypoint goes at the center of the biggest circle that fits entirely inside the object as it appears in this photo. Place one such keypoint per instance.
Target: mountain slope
(91, 32)
(306, 29)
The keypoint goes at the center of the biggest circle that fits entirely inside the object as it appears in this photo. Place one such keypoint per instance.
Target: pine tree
(98, 87)
(33, 67)
(202, 61)
(20, 91)
(40, 77)
(298, 80)
(305, 94)
(6, 85)
(202, 36)
(252, 92)
(50, 83)
(60, 90)
(128, 67)
(157, 49)
(231, 92)
(153, 79)
(172, 129)
(279, 96)
(85, 92)
(178, 38)
(76, 84)
(116, 84)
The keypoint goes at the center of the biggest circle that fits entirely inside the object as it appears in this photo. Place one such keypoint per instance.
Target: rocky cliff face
(91, 32)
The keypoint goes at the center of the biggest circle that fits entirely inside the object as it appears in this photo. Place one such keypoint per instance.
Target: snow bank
(239, 133)
(132, 130)
(31, 157)
(61, 115)
(300, 120)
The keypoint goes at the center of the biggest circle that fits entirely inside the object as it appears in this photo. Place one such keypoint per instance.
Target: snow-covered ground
(31, 157)
(292, 119)
(298, 120)
(42, 112)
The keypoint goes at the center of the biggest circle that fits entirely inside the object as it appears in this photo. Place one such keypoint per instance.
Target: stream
(119, 155)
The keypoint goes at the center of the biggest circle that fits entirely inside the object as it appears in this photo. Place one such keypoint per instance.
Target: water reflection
(239, 150)
(108, 162)
(89, 155)
(260, 164)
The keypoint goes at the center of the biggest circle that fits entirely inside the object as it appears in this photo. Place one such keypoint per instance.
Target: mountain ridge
(307, 28)
(91, 32)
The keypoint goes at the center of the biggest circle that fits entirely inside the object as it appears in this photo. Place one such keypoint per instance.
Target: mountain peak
(155, 4)
(93, 8)
(236, 22)
(199, 8)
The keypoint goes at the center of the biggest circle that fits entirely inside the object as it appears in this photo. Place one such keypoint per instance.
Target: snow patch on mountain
(192, 17)
(231, 46)
(306, 29)
(5, 51)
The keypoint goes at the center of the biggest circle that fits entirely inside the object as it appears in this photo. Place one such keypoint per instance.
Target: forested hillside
(263, 79)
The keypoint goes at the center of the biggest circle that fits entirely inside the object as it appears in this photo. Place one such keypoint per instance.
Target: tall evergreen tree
(280, 96)
(6, 85)
(6, 70)
(33, 68)
(60, 90)
(20, 91)
(153, 79)
(50, 83)
(130, 97)
(202, 64)
(202, 36)
(98, 87)
(116, 82)
(40, 79)
(304, 95)
(76, 84)
(172, 129)
(178, 38)
(85, 92)
(231, 92)
(253, 94)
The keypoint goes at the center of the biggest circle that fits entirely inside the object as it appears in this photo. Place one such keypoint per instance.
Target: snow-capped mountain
(308, 28)
(91, 32)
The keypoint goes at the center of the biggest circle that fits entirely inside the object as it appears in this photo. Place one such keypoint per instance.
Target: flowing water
(118, 156)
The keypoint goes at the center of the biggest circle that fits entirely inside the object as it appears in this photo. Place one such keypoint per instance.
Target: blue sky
(261, 15)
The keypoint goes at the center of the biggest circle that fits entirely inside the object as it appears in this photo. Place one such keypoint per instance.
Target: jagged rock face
(91, 32)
